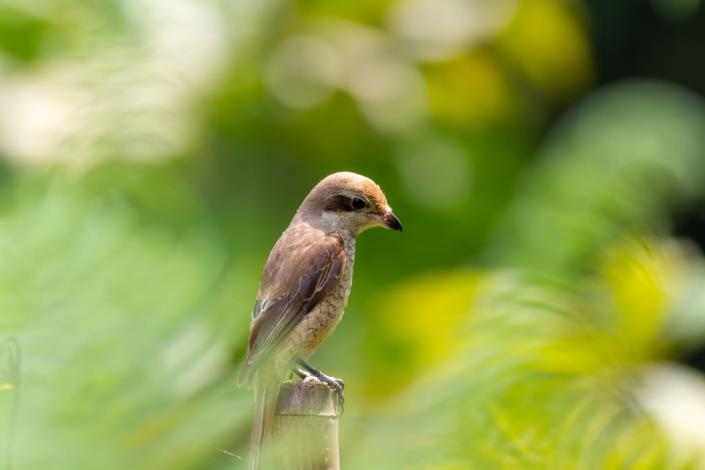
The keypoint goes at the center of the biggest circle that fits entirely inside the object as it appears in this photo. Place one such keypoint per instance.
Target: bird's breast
(322, 320)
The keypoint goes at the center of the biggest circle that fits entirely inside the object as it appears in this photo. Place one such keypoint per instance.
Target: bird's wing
(295, 281)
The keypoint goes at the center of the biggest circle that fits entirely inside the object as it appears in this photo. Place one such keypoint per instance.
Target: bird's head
(349, 201)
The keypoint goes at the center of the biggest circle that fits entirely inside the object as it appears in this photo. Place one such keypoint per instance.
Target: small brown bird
(304, 289)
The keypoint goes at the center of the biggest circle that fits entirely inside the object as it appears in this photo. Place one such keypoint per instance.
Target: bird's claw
(334, 382)
(339, 382)
(309, 374)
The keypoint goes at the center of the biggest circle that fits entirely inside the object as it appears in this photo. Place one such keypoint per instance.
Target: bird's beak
(391, 221)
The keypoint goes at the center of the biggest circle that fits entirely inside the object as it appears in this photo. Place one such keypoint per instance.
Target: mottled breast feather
(304, 266)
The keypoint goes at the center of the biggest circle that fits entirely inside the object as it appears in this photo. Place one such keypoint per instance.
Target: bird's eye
(358, 203)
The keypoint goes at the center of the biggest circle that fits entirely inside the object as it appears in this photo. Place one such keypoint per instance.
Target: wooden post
(306, 427)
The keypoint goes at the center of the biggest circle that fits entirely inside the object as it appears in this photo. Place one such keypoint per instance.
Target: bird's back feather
(303, 268)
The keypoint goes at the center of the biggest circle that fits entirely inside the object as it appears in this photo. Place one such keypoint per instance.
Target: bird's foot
(337, 384)
(304, 375)
(309, 373)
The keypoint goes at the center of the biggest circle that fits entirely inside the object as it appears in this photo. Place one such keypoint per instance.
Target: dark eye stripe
(339, 204)
(342, 203)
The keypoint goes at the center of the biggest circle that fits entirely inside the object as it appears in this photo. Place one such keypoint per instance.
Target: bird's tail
(266, 395)
(245, 376)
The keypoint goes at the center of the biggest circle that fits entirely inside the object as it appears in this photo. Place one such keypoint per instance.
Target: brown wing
(297, 277)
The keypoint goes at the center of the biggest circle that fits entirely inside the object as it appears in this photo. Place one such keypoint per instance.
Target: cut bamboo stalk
(306, 427)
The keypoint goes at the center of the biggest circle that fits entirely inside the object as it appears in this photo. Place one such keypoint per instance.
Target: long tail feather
(266, 395)
(245, 375)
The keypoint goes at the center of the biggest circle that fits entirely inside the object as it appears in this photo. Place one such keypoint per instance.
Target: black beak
(391, 221)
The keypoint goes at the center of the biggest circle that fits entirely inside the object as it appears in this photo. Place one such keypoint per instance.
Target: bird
(304, 290)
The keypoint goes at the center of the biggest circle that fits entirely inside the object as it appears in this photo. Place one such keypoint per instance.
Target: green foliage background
(153, 152)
